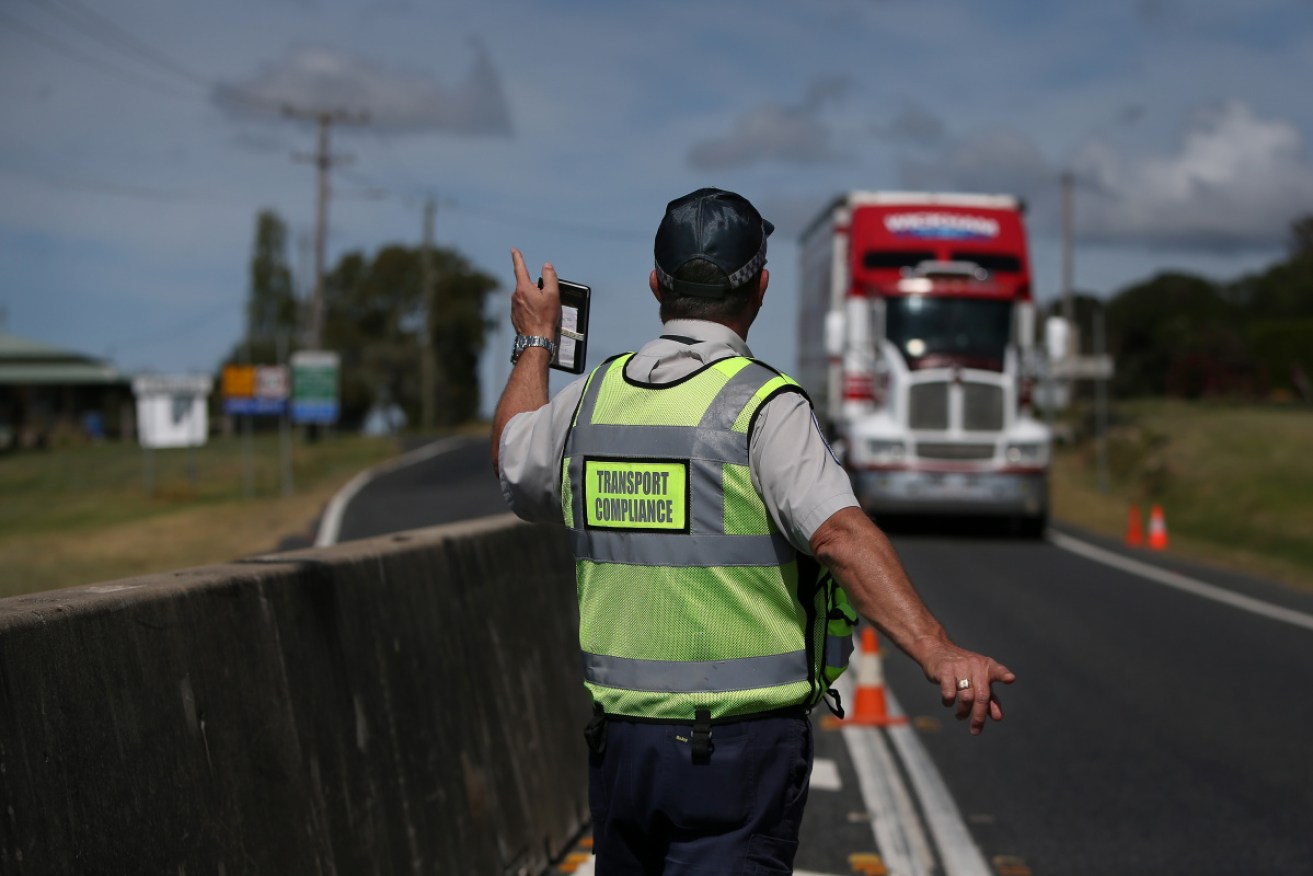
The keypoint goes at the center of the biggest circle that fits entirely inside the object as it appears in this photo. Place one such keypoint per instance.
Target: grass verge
(1235, 483)
(82, 515)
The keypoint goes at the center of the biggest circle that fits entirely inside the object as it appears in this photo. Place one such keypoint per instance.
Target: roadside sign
(273, 382)
(255, 390)
(171, 409)
(238, 381)
(314, 386)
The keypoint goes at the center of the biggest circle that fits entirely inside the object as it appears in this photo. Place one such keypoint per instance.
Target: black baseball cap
(716, 226)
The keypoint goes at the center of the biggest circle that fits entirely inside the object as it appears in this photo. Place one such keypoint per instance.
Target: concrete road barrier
(404, 704)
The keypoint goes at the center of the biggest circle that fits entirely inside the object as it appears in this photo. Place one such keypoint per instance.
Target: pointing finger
(521, 273)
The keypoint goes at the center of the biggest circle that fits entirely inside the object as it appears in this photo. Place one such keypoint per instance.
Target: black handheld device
(572, 333)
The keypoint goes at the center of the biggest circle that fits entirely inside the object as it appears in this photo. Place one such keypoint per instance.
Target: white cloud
(327, 80)
(785, 133)
(994, 161)
(1234, 182)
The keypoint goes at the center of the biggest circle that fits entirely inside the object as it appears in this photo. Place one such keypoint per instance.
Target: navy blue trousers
(656, 809)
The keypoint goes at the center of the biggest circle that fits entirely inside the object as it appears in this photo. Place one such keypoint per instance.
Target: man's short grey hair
(732, 306)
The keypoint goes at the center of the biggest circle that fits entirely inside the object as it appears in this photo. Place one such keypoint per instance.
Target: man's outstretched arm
(864, 562)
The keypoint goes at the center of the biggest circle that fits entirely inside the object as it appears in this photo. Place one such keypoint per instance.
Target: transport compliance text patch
(636, 494)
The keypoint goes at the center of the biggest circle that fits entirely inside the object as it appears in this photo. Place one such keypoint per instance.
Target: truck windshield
(932, 332)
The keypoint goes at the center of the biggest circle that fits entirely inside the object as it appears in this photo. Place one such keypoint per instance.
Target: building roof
(27, 362)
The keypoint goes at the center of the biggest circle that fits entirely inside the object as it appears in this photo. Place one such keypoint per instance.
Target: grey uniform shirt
(791, 465)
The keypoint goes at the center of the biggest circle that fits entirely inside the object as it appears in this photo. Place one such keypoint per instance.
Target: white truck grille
(928, 406)
(979, 406)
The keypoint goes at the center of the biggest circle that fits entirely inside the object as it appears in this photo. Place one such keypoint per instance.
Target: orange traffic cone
(1134, 528)
(1157, 529)
(869, 706)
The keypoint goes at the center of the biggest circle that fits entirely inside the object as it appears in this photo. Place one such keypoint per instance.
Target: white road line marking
(330, 527)
(958, 851)
(897, 828)
(1181, 582)
(825, 775)
(899, 835)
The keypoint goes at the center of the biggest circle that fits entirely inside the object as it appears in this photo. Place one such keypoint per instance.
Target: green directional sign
(314, 386)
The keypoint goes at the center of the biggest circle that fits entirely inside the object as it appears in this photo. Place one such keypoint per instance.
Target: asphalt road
(457, 484)
(1151, 731)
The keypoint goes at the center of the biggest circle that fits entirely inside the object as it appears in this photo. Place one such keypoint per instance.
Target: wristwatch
(524, 342)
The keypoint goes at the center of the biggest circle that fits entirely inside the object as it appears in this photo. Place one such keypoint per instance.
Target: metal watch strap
(524, 342)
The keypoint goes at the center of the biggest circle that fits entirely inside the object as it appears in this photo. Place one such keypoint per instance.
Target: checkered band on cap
(736, 279)
(744, 274)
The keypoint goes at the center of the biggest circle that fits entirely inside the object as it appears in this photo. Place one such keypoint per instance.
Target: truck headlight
(885, 452)
(1025, 454)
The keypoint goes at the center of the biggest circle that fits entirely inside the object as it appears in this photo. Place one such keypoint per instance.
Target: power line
(110, 35)
(118, 189)
(176, 330)
(407, 177)
(412, 192)
(55, 45)
(539, 223)
(107, 33)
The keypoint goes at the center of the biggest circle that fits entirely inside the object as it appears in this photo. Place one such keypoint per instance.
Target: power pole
(323, 159)
(1068, 270)
(428, 356)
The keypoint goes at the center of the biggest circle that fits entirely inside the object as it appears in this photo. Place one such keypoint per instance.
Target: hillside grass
(1235, 482)
(82, 515)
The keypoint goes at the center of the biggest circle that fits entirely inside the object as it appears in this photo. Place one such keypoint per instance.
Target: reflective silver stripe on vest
(678, 442)
(735, 395)
(696, 676)
(662, 549)
(838, 649)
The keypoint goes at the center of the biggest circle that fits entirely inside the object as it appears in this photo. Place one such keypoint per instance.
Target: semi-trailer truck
(916, 343)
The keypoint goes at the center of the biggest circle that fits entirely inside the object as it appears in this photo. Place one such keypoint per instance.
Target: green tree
(1278, 315)
(1176, 334)
(1184, 335)
(375, 320)
(271, 306)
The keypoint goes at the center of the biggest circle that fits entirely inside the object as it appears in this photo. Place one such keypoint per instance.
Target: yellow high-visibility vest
(689, 595)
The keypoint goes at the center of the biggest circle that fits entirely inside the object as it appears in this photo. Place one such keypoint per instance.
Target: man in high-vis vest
(702, 503)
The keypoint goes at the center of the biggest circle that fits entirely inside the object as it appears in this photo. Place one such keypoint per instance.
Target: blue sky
(136, 151)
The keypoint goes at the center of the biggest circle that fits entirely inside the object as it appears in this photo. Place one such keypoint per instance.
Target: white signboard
(172, 410)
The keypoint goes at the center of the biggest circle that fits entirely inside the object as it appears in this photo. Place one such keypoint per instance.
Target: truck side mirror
(1057, 338)
(1025, 325)
(834, 326)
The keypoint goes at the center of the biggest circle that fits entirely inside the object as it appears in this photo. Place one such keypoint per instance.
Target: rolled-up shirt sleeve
(795, 471)
(532, 445)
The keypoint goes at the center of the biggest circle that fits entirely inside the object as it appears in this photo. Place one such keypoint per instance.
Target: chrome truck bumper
(1016, 494)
